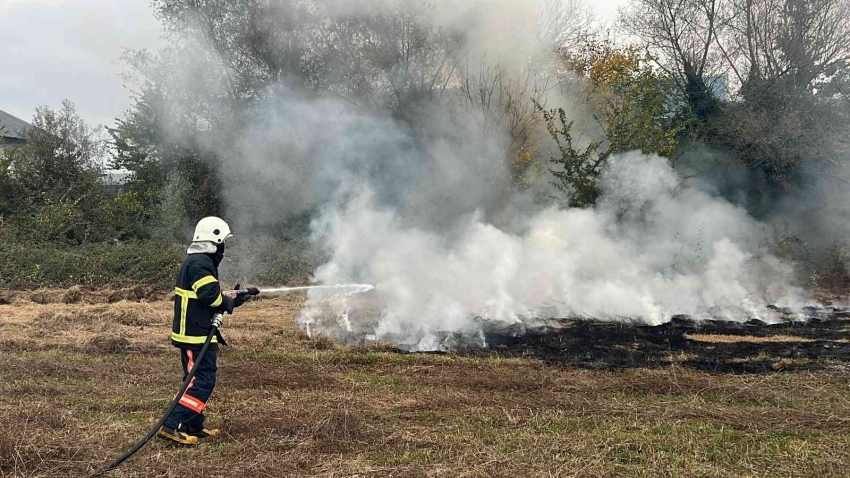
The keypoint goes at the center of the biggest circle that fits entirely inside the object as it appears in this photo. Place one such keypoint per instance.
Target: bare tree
(796, 42)
(563, 23)
(249, 43)
(503, 102)
(388, 55)
(683, 37)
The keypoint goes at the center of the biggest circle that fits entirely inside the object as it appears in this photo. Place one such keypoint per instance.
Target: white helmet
(212, 229)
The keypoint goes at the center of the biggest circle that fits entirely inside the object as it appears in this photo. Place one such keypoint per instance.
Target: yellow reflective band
(186, 294)
(217, 302)
(192, 339)
(203, 281)
(184, 304)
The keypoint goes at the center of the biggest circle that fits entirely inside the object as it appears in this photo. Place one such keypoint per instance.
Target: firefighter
(197, 297)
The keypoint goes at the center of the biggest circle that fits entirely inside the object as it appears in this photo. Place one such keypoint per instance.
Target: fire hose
(141, 443)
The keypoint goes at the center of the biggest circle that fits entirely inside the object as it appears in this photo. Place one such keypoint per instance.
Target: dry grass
(679, 357)
(79, 383)
(323, 342)
(731, 339)
(6, 297)
(83, 295)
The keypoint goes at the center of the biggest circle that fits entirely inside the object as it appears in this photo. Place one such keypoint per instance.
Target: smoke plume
(425, 207)
(654, 247)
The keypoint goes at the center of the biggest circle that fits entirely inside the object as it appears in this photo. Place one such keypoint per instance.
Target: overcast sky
(56, 49)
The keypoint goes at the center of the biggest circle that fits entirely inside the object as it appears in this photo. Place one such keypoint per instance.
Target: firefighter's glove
(227, 304)
(217, 320)
(240, 298)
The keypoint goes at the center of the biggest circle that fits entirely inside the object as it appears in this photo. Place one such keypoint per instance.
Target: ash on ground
(814, 338)
(819, 342)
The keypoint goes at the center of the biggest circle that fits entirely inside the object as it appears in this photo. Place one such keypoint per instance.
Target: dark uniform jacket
(196, 298)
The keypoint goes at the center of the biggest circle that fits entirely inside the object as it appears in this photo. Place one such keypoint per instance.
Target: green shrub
(153, 263)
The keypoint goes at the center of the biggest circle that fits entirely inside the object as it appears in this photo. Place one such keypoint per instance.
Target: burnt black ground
(606, 345)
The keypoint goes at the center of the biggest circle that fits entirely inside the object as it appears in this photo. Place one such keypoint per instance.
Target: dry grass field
(80, 382)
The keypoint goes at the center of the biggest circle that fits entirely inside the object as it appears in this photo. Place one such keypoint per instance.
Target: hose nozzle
(243, 292)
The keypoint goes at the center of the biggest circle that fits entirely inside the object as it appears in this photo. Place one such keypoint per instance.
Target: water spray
(342, 290)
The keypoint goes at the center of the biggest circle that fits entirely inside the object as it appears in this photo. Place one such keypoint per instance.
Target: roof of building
(12, 127)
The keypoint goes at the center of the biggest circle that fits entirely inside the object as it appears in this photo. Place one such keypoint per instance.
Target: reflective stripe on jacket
(196, 298)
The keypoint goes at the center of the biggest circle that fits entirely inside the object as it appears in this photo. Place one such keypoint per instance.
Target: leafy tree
(8, 186)
(59, 196)
(61, 153)
(629, 99)
(165, 138)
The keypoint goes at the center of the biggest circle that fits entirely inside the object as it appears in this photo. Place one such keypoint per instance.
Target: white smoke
(654, 247)
(422, 204)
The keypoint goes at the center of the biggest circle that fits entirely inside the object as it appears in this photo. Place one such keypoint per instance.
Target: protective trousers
(188, 416)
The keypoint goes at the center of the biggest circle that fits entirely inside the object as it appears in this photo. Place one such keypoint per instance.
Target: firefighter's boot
(177, 436)
(206, 433)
